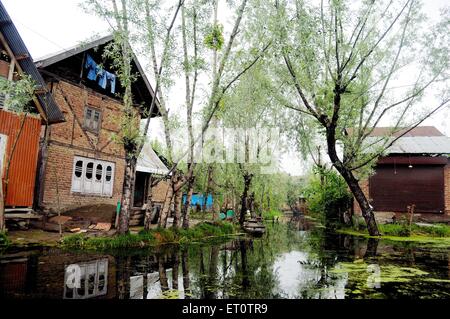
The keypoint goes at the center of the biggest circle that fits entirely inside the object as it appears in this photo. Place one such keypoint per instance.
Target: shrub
(329, 199)
(4, 240)
(150, 237)
(271, 214)
(401, 230)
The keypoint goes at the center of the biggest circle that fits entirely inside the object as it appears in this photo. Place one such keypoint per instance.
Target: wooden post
(3, 140)
(12, 66)
(58, 203)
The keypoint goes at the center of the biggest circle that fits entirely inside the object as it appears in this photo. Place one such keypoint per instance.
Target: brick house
(416, 171)
(20, 132)
(82, 165)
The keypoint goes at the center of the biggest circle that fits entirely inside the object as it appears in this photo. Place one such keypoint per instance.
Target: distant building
(415, 171)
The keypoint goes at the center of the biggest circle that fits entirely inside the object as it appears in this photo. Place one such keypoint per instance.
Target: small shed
(149, 167)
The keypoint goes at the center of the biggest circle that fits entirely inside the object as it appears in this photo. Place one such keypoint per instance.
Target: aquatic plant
(151, 237)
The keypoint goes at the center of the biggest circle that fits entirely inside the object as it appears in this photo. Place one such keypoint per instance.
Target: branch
(401, 135)
(375, 45)
(300, 91)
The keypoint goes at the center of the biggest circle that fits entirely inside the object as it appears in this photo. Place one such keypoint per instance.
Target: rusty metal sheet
(22, 172)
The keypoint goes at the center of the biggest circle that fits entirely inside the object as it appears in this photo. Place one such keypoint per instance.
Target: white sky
(48, 26)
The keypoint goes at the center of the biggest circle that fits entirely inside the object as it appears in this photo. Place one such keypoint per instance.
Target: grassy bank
(438, 233)
(4, 240)
(272, 214)
(153, 237)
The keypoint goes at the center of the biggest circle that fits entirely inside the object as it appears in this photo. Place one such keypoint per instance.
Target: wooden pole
(58, 203)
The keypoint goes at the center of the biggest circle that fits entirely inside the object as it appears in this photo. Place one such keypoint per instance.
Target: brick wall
(59, 169)
(365, 188)
(71, 132)
(68, 139)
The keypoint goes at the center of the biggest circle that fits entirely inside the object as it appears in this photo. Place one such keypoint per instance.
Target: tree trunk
(352, 183)
(2, 206)
(185, 269)
(208, 186)
(127, 194)
(187, 204)
(245, 280)
(178, 196)
(166, 207)
(162, 275)
(123, 277)
(244, 198)
(176, 266)
(148, 206)
(366, 208)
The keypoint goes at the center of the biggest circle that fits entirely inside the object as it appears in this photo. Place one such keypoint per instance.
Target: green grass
(154, 237)
(272, 214)
(402, 230)
(436, 234)
(4, 240)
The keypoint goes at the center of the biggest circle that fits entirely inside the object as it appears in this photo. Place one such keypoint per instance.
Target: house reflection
(43, 274)
(90, 279)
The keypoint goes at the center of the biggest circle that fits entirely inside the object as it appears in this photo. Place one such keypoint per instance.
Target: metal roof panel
(15, 42)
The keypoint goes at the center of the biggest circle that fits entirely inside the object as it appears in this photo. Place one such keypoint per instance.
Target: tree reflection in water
(296, 260)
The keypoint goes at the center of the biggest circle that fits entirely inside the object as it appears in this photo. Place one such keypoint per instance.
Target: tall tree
(339, 63)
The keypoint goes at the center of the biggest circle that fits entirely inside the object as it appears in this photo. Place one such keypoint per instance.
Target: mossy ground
(437, 234)
(152, 237)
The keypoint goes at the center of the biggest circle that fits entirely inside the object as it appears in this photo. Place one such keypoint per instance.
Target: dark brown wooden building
(415, 171)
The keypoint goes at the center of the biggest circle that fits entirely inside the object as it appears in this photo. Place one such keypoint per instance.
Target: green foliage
(214, 38)
(4, 240)
(272, 214)
(19, 93)
(325, 197)
(151, 237)
(403, 230)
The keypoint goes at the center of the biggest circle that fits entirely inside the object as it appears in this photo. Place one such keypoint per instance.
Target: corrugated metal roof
(149, 162)
(414, 144)
(417, 131)
(15, 42)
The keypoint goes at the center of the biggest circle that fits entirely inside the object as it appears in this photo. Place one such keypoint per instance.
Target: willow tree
(130, 21)
(247, 108)
(231, 61)
(357, 65)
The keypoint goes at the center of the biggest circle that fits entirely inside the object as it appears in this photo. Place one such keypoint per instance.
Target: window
(92, 119)
(93, 177)
(2, 100)
(92, 278)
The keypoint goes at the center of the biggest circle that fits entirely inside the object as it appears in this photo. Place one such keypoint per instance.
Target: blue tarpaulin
(199, 199)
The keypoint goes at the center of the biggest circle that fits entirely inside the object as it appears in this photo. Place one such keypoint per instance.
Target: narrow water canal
(292, 260)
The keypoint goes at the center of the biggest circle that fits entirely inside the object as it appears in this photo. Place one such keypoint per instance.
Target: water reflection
(295, 260)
